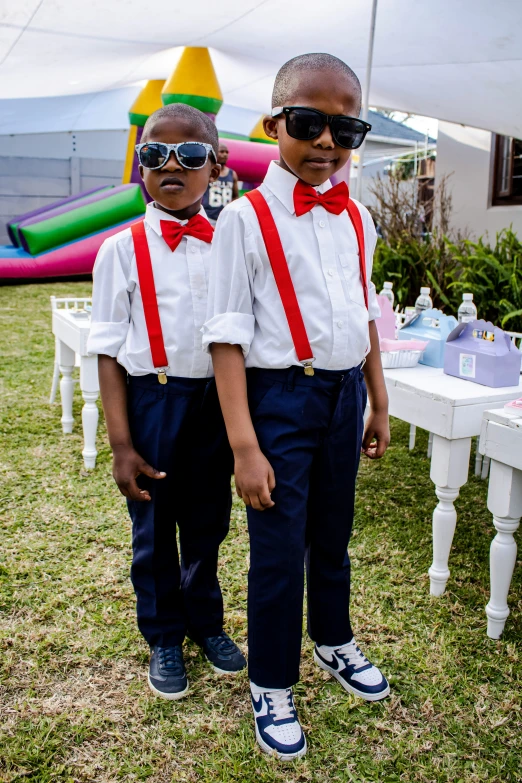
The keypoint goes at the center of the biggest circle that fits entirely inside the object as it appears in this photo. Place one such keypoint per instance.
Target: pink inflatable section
(76, 258)
(250, 159)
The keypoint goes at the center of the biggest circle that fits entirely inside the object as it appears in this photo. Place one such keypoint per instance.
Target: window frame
(502, 179)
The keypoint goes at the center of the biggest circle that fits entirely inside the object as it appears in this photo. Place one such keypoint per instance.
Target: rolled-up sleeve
(230, 317)
(110, 318)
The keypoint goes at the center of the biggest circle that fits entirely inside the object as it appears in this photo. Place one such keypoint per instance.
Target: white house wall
(465, 154)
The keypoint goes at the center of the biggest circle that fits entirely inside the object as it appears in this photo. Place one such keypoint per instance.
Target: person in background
(223, 190)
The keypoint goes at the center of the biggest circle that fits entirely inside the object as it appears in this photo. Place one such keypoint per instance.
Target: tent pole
(366, 99)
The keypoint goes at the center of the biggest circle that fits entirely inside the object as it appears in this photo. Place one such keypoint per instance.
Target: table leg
(449, 471)
(505, 503)
(413, 435)
(430, 445)
(90, 387)
(66, 358)
(478, 460)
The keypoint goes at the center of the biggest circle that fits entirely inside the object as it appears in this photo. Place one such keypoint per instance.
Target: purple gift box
(482, 353)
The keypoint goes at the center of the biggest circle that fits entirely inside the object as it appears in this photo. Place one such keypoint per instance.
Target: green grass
(74, 704)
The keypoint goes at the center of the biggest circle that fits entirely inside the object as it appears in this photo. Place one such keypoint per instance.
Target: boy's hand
(127, 465)
(255, 478)
(376, 434)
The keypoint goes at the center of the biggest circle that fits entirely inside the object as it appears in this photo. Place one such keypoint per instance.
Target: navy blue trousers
(310, 429)
(178, 428)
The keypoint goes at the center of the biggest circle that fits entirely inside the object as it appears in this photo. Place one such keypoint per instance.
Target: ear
(270, 126)
(215, 171)
(140, 169)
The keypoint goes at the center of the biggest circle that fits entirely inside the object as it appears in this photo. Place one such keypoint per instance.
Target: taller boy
(290, 297)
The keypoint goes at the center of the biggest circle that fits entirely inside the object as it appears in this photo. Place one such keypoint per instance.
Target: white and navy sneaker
(353, 670)
(278, 730)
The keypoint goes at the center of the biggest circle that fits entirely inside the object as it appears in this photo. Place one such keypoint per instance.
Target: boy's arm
(377, 431)
(253, 473)
(126, 462)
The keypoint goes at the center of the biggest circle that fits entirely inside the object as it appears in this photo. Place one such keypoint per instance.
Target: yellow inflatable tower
(147, 102)
(194, 82)
(258, 133)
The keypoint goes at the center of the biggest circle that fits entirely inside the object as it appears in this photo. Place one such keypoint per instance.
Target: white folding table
(71, 328)
(451, 409)
(501, 441)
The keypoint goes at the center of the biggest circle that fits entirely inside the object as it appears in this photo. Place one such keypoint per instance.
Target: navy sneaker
(278, 730)
(224, 655)
(353, 670)
(167, 676)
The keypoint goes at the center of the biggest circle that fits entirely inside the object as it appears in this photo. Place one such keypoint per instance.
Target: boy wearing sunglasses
(171, 458)
(291, 298)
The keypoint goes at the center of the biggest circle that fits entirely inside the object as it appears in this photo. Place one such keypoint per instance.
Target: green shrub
(492, 274)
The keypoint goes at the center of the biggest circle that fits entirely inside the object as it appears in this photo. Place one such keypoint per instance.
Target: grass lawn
(74, 703)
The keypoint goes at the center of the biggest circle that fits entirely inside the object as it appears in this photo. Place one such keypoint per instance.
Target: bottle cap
(425, 291)
(467, 297)
(388, 285)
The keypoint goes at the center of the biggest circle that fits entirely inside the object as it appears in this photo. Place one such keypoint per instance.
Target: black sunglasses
(305, 124)
(189, 154)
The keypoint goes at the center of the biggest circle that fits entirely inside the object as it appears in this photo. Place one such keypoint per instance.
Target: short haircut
(204, 128)
(288, 75)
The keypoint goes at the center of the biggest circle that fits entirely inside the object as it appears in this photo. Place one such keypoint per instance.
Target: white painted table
(71, 332)
(501, 441)
(452, 410)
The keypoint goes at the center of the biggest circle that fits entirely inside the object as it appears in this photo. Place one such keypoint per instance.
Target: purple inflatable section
(86, 198)
(47, 208)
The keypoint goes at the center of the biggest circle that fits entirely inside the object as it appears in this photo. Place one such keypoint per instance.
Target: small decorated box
(386, 323)
(434, 327)
(482, 353)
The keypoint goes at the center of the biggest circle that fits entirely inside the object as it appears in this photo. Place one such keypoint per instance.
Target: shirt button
(192, 249)
(199, 294)
(331, 272)
(340, 324)
(322, 223)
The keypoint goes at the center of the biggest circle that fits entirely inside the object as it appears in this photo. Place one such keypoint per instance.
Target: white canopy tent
(457, 60)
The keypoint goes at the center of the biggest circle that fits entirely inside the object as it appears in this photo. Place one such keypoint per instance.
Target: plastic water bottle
(424, 301)
(467, 310)
(388, 292)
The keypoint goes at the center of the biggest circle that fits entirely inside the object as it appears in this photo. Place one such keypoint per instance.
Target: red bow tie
(173, 232)
(306, 197)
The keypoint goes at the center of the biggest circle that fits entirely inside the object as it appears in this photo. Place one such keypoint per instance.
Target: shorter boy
(171, 457)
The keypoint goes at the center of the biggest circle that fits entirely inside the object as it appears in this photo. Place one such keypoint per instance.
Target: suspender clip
(308, 369)
(162, 376)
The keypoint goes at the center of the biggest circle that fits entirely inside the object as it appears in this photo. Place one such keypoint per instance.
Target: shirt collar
(153, 216)
(282, 183)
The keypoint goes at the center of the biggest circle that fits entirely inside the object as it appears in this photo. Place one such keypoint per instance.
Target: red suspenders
(282, 277)
(148, 297)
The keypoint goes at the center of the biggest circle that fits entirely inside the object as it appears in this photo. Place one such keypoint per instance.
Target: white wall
(101, 145)
(466, 154)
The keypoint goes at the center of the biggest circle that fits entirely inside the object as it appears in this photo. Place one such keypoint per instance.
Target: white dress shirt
(118, 325)
(244, 305)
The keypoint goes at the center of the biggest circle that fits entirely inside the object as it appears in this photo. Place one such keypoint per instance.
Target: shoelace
(281, 704)
(222, 643)
(352, 656)
(171, 659)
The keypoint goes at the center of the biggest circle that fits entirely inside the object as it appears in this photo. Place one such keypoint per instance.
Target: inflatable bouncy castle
(62, 239)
